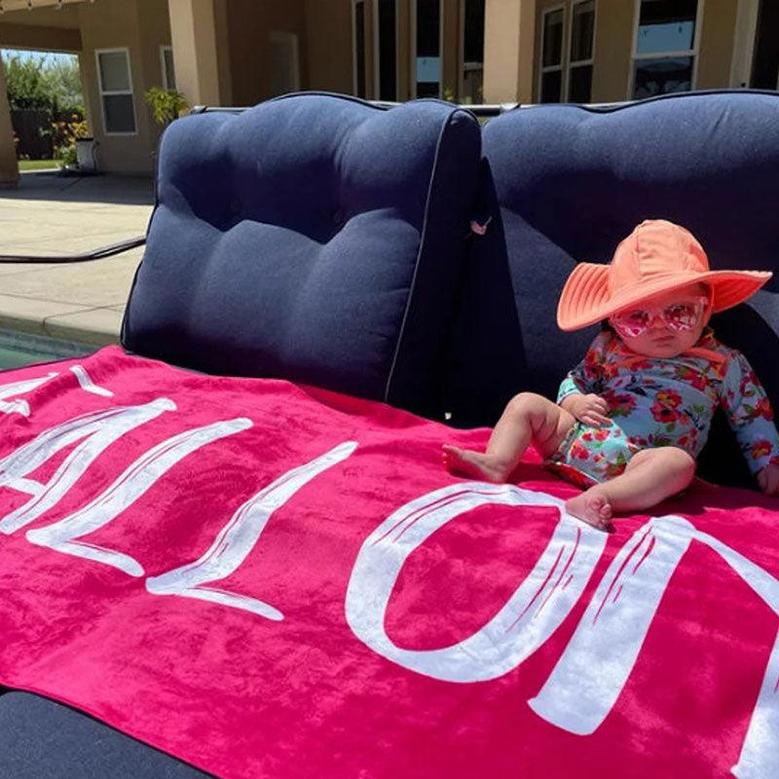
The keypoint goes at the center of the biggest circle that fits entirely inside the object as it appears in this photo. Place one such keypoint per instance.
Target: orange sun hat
(657, 257)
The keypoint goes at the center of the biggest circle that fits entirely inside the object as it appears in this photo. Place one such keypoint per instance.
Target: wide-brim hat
(657, 257)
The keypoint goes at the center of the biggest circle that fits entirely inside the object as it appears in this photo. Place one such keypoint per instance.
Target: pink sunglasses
(678, 317)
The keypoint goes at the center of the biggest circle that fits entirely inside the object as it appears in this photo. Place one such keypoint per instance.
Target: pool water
(19, 349)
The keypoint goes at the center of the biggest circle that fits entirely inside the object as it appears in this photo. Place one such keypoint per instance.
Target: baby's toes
(604, 509)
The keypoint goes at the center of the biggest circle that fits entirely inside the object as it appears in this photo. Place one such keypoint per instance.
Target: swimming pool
(18, 349)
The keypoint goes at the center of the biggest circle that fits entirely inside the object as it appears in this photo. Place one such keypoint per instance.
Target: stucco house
(239, 52)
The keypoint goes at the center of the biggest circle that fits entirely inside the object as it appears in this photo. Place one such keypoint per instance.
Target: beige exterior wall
(38, 37)
(329, 45)
(67, 18)
(614, 30)
(250, 25)
(42, 29)
(140, 27)
(510, 50)
(9, 171)
(717, 41)
(194, 43)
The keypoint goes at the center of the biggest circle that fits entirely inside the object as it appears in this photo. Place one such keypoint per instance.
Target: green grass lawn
(38, 164)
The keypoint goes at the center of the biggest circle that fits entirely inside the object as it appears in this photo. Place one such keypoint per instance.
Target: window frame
(165, 84)
(694, 52)
(103, 93)
(744, 36)
(569, 63)
(413, 48)
(542, 70)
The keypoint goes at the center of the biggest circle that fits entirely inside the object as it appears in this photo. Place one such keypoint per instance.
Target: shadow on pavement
(113, 190)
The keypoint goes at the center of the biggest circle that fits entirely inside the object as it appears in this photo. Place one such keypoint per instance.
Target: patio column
(193, 36)
(9, 170)
(509, 46)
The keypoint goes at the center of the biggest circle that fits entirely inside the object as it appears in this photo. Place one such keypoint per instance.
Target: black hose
(93, 254)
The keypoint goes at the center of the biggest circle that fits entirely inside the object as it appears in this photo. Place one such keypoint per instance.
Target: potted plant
(166, 104)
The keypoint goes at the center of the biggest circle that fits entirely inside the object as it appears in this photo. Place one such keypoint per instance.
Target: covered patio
(242, 52)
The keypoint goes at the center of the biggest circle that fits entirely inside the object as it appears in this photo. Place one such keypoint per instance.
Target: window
(472, 36)
(358, 36)
(665, 50)
(168, 73)
(580, 51)
(284, 69)
(386, 46)
(116, 91)
(551, 86)
(426, 68)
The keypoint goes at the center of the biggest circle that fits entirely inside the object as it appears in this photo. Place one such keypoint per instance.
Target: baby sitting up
(631, 418)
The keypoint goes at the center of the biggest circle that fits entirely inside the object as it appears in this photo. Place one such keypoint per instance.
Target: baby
(632, 417)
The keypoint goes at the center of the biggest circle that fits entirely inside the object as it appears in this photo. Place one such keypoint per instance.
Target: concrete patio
(53, 215)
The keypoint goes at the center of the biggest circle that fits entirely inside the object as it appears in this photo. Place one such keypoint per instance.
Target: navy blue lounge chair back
(314, 238)
(569, 183)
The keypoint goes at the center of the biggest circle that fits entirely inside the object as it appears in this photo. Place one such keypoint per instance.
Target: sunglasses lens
(632, 323)
(681, 316)
(678, 317)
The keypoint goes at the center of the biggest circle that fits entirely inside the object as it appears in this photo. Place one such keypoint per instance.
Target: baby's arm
(750, 415)
(578, 393)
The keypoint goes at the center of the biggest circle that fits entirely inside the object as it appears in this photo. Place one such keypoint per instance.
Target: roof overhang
(20, 5)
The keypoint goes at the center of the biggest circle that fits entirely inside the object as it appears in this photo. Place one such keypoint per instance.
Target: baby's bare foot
(593, 507)
(465, 462)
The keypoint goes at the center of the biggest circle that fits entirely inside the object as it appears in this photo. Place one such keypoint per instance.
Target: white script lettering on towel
(576, 697)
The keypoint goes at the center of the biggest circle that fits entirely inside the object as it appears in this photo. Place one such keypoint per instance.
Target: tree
(52, 86)
(27, 87)
(44, 83)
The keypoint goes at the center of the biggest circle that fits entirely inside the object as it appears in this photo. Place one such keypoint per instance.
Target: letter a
(95, 432)
(137, 479)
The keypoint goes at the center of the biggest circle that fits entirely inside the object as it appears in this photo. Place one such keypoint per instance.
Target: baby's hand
(590, 409)
(768, 479)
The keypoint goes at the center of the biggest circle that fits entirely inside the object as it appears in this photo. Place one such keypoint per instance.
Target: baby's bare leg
(528, 417)
(652, 475)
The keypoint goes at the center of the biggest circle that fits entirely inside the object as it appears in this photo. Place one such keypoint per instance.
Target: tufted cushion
(41, 739)
(569, 183)
(314, 238)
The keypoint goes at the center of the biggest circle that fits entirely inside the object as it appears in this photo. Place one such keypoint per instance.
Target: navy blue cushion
(40, 739)
(569, 183)
(314, 238)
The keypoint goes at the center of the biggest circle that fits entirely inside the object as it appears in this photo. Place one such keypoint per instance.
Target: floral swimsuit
(656, 401)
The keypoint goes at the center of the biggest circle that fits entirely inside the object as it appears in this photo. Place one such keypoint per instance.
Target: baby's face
(661, 339)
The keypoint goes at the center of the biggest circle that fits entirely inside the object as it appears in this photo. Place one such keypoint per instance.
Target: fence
(32, 128)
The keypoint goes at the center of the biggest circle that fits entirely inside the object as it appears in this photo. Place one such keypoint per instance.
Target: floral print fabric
(657, 401)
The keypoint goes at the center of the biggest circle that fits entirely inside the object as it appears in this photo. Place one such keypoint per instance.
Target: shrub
(166, 104)
(65, 134)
